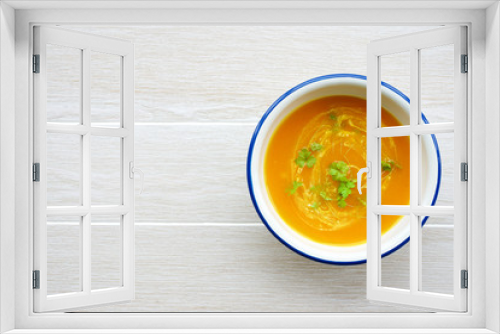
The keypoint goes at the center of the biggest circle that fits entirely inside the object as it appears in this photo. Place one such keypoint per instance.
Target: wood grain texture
(210, 159)
(200, 246)
(244, 269)
(233, 74)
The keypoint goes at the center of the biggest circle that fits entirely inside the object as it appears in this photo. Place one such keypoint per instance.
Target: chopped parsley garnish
(338, 170)
(325, 196)
(316, 147)
(294, 187)
(388, 165)
(305, 158)
(314, 205)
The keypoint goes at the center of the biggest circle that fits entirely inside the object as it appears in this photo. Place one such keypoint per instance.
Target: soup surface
(311, 164)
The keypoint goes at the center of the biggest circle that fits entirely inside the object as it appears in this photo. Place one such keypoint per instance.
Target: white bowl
(336, 84)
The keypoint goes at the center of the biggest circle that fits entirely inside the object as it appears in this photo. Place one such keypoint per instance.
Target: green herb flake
(338, 170)
(316, 147)
(325, 196)
(333, 116)
(314, 205)
(388, 165)
(345, 189)
(294, 187)
(305, 158)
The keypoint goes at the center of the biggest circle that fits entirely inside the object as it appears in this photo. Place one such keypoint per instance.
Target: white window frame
(484, 103)
(87, 296)
(413, 44)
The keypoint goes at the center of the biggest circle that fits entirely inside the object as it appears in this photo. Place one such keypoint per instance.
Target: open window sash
(84, 293)
(415, 211)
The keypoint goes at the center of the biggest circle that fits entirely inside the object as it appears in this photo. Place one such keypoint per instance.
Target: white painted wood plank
(244, 269)
(193, 174)
(240, 71)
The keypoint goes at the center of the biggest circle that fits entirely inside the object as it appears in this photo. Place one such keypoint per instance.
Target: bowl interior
(397, 105)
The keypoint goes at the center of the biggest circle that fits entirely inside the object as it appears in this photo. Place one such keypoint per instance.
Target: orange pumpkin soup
(311, 165)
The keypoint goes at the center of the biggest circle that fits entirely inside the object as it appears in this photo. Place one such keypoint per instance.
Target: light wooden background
(200, 247)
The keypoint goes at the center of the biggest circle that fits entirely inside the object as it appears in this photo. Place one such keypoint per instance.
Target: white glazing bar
(86, 174)
(373, 183)
(392, 210)
(406, 130)
(394, 131)
(76, 129)
(127, 119)
(433, 210)
(83, 210)
(84, 129)
(414, 167)
(417, 210)
(428, 129)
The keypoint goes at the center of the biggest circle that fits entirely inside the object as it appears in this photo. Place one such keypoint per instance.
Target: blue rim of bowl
(256, 133)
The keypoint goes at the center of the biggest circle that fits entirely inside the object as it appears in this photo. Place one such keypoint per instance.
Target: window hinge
(465, 279)
(36, 63)
(464, 171)
(36, 279)
(36, 172)
(465, 64)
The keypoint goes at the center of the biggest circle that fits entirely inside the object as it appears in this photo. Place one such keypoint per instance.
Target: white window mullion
(86, 176)
(373, 184)
(128, 244)
(414, 170)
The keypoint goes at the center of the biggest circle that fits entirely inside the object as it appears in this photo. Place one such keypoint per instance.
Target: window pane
(395, 170)
(106, 251)
(437, 254)
(105, 89)
(106, 170)
(395, 268)
(64, 70)
(437, 169)
(395, 71)
(437, 77)
(63, 254)
(63, 169)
